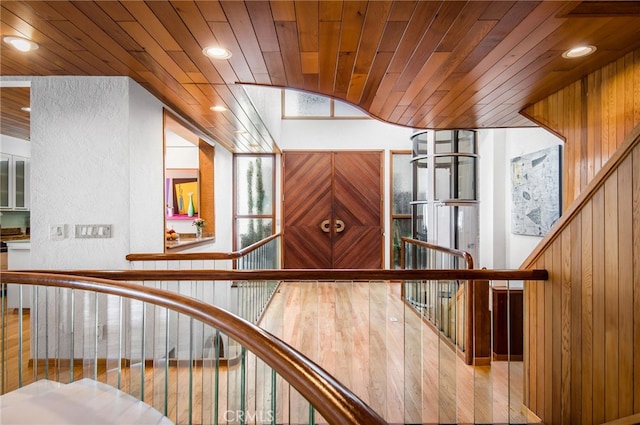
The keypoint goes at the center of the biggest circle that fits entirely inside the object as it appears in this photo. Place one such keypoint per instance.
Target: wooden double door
(332, 209)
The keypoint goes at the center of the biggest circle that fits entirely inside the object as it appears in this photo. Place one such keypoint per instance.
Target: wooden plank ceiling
(422, 64)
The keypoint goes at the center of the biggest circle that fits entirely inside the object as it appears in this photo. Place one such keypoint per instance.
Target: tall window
(254, 209)
(401, 175)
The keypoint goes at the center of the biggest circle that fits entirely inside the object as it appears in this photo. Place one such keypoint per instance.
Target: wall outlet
(57, 232)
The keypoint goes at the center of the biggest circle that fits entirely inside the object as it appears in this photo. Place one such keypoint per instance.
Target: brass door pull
(339, 225)
(325, 225)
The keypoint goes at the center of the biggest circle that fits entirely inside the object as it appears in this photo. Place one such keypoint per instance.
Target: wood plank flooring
(361, 332)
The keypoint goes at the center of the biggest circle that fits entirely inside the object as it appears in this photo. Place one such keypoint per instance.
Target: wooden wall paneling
(611, 276)
(628, 93)
(557, 330)
(636, 86)
(547, 302)
(540, 343)
(625, 290)
(611, 99)
(636, 277)
(610, 110)
(582, 339)
(598, 307)
(620, 102)
(571, 311)
(589, 82)
(526, 341)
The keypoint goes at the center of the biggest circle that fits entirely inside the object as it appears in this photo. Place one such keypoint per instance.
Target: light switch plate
(92, 231)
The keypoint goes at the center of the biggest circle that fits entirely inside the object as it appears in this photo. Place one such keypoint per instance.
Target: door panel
(307, 202)
(342, 187)
(358, 203)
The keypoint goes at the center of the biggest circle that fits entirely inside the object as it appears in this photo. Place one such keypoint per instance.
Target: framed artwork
(536, 191)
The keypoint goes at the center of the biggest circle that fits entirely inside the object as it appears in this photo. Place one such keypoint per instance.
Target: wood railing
(308, 274)
(332, 400)
(474, 347)
(154, 345)
(234, 255)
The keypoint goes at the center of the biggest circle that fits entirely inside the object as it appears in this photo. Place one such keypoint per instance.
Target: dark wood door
(332, 209)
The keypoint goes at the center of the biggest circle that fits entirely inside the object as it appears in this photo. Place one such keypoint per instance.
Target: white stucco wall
(97, 159)
(81, 170)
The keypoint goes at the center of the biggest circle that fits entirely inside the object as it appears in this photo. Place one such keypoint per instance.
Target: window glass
(252, 230)
(444, 141)
(254, 186)
(341, 109)
(466, 142)
(401, 184)
(300, 104)
(401, 227)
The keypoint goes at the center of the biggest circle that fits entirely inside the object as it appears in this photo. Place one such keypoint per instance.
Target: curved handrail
(336, 403)
(202, 255)
(463, 254)
(308, 274)
(469, 322)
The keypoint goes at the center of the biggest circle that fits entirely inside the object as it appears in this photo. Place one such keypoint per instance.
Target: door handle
(324, 225)
(339, 225)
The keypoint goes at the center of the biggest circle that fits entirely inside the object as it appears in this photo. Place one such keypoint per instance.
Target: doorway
(332, 209)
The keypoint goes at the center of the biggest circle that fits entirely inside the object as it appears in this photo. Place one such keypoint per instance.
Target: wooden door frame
(381, 156)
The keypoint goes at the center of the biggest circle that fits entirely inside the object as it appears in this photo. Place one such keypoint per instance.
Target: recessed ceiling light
(26, 109)
(578, 52)
(216, 52)
(218, 108)
(20, 43)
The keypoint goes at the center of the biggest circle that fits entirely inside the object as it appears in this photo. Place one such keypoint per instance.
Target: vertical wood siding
(582, 338)
(593, 115)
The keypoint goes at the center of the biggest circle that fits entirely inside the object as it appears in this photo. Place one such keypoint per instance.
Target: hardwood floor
(363, 334)
(360, 332)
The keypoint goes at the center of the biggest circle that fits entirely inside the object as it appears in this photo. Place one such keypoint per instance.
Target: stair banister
(332, 400)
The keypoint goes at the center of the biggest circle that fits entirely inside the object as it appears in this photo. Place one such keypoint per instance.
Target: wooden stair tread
(82, 402)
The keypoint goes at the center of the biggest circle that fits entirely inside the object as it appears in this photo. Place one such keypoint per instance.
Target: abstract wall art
(535, 191)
